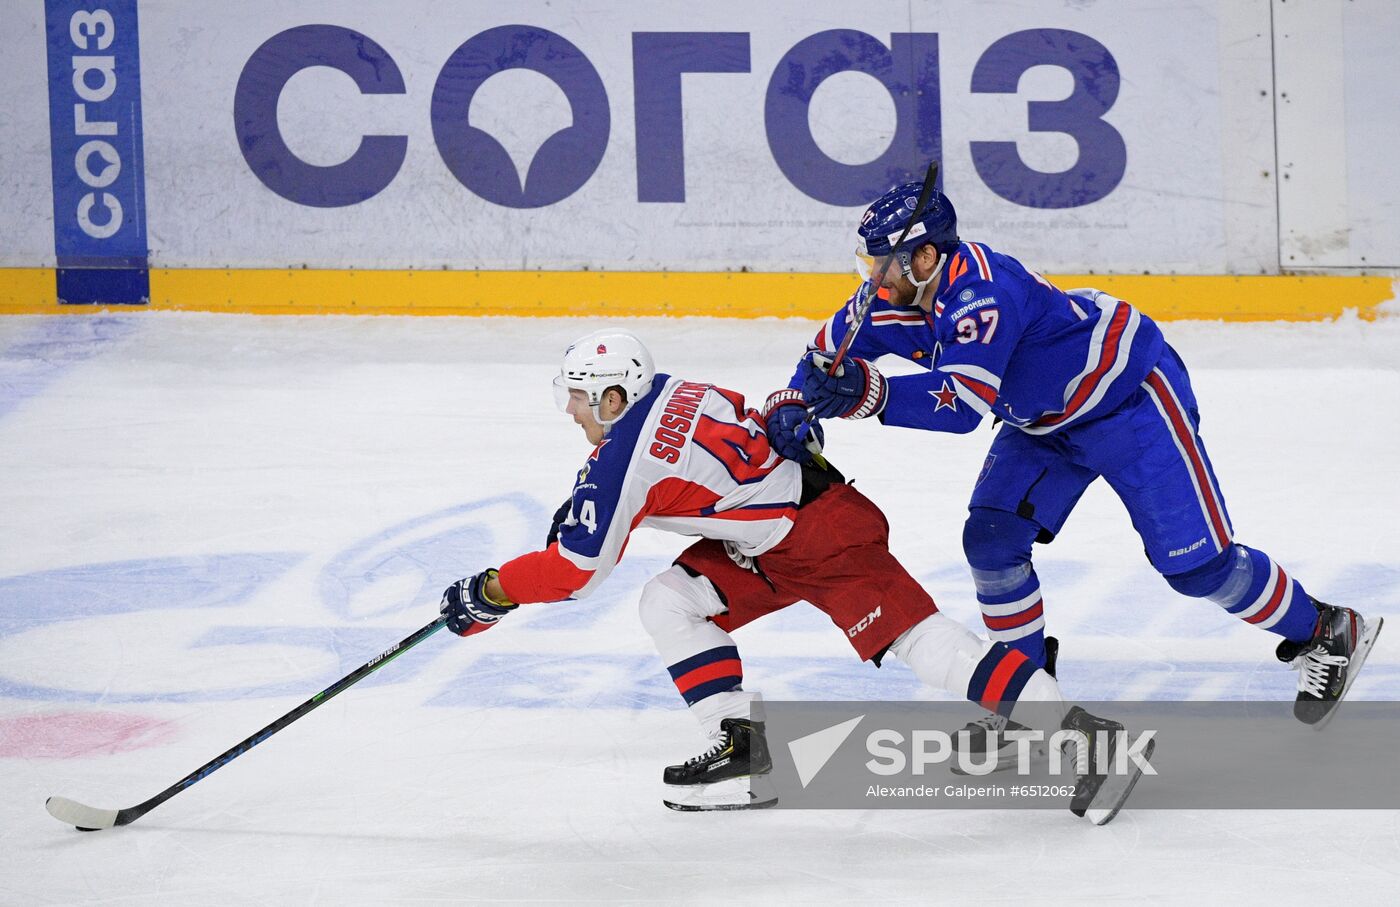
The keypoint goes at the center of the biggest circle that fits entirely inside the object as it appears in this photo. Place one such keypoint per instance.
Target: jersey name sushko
(1002, 339)
(688, 458)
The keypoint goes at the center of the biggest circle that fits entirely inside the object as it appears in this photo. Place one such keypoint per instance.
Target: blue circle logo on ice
(405, 565)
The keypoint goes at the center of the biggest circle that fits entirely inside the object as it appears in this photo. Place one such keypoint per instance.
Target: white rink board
(1339, 89)
(1189, 95)
(209, 518)
(739, 209)
(26, 184)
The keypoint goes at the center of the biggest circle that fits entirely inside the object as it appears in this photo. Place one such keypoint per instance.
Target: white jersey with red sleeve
(689, 458)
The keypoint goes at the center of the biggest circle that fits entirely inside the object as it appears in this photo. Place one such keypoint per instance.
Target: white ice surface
(206, 519)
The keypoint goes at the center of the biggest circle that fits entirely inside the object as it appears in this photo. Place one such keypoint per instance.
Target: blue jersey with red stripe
(1002, 339)
(1088, 388)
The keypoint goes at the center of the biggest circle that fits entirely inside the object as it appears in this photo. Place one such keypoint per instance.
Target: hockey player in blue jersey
(1086, 387)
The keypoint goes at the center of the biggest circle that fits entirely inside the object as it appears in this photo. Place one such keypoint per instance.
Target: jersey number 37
(970, 332)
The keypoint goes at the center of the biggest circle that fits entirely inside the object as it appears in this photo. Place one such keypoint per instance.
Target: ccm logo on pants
(865, 621)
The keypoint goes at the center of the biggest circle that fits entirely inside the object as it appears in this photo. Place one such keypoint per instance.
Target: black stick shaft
(132, 813)
(867, 298)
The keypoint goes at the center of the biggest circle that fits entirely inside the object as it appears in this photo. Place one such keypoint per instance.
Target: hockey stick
(867, 298)
(86, 818)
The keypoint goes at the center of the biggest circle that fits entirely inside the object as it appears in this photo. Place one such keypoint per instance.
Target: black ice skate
(985, 742)
(1101, 792)
(1328, 663)
(732, 774)
(974, 740)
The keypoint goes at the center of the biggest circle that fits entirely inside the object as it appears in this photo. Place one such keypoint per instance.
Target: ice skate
(976, 736)
(1100, 793)
(732, 774)
(1329, 662)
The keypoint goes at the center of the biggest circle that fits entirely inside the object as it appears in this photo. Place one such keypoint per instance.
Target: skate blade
(749, 792)
(1114, 791)
(1358, 658)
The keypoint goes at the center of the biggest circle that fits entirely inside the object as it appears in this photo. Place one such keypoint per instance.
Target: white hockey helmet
(607, 358)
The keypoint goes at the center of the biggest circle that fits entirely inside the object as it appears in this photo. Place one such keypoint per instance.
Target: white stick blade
(78, 815)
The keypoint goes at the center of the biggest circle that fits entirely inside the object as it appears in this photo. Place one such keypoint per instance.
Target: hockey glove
(856, 391)
(783, 415)
(560, 517)
(469, 609)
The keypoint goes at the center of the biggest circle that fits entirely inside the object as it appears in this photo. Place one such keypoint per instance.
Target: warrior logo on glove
(784, 414)
(855, 390)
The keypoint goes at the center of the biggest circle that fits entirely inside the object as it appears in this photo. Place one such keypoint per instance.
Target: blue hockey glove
(560, 516)
(856, 391)
(469, 610)
(783, 413)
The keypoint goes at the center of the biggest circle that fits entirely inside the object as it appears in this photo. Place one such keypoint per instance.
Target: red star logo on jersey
(588, 465)
(947, 398)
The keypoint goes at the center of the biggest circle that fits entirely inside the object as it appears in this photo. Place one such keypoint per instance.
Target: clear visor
(563, 394)
(868, 266)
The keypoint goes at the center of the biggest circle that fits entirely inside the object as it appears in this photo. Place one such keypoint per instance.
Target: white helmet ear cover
(607, 358)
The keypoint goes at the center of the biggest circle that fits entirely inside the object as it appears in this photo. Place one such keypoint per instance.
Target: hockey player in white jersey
(691, 458)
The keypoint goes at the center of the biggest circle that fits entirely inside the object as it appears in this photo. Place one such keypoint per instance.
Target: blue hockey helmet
(886, 218)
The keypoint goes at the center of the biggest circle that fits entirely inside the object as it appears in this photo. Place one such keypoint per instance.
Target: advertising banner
(722, 137)
(1120, 138)
(99, 225)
